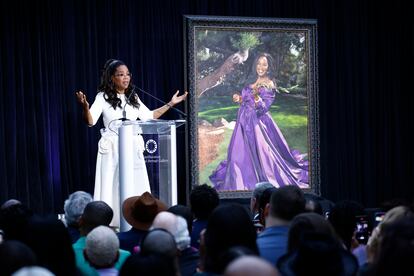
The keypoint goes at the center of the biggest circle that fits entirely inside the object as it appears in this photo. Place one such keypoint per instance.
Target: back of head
(343, 219)
(9, 203)
(305, 223)
(185, 212)
(263, 201)
(148, 265)
(14, 217)
(394, 215)
(287, 202)
(33, 271)
(182, 236)
(159, 241)
(203, 200)
(50, 241)
(74, 206)
(175, 225)
(101, 247)
(260, 188)
(15, 255)
(257, 194)
(234, 253)
(396, 248)
(229, 225)
(318, 254)
(166, 221)
(250, 266)
(96, 213)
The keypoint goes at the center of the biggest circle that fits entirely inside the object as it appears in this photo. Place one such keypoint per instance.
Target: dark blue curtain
(50, 49)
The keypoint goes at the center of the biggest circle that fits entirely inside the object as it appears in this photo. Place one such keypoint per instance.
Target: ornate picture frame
(221, 56)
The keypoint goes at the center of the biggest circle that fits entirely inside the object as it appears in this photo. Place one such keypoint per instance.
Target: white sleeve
(97, 107)
(144, 113)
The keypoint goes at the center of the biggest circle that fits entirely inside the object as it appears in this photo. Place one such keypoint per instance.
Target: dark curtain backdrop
(50, 49)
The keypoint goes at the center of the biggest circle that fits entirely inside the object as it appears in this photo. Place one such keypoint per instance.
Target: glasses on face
(121, 75)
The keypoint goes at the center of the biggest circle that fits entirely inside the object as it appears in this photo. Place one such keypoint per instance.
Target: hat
(318, 254)
(140, 211)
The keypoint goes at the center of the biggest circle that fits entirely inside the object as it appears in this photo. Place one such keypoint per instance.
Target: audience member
(158, 247)
(234, 253)
(15, 255)
(393, 215)
(395, 250)
(343, 218)
(250, 266)
(14, 219)
(177, 226)
(73, 207)
(203, 200)
(317, 204)
(185, 212)
(96, 213)
(263, 201)
(318, 254)
(139, 212)
(255, 199)
(51, 243)
(102, 250)
(9, 203)
(148, 265)
(313, 205)
(33, 271)
(285, 203)
(159, 241)
(308, 223)
(229, 225)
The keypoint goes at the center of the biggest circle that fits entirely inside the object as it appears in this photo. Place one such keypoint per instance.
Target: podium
(160, 146)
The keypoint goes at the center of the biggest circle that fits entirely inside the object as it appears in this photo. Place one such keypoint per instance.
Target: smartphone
(362, 229)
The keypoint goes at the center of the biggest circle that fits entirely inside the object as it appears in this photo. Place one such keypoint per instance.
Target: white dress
(107, 169)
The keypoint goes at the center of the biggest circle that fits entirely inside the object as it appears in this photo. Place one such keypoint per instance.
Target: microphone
(161, 101)
(127, 102)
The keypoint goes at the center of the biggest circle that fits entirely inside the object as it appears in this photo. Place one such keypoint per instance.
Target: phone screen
(362, 229)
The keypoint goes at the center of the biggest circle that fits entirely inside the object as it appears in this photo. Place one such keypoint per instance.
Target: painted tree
(219, 53)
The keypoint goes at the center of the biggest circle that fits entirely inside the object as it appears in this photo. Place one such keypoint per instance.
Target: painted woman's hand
(237, 98)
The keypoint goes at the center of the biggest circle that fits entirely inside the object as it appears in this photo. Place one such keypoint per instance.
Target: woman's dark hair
(229, 225)
(107, 85)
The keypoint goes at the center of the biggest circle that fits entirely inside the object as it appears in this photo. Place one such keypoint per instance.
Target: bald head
(166, 221)
(250, 266)
(159, 241)
(176, 226)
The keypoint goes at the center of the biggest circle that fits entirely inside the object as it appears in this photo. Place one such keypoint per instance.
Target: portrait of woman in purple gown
(258, 150)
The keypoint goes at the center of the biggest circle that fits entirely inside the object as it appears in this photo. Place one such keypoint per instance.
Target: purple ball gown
(258, 151)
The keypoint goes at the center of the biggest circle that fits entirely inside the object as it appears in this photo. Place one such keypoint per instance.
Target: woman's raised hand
(82, 99)
(178, 99)
(237, 98)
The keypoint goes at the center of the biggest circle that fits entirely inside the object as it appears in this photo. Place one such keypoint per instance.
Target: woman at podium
(116, 100)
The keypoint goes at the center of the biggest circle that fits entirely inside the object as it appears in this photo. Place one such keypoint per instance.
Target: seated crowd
(284, 232)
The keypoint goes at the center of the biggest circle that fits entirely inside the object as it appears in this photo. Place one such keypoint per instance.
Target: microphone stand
(161, 101)
(126, 102)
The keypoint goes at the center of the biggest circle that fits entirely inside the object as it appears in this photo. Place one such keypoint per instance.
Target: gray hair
(33, 271)
(176, 226)
(181, 236)
(102, 246)
(260, 188)
(75, 205)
